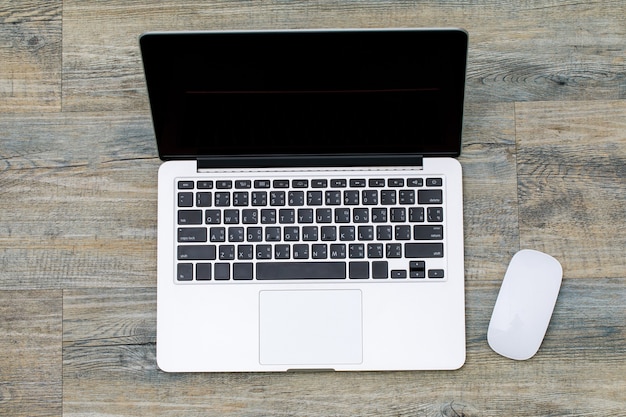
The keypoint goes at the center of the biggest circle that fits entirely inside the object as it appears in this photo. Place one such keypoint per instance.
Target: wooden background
(544, 162)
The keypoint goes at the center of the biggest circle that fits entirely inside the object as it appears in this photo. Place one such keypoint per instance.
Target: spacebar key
(300, 270)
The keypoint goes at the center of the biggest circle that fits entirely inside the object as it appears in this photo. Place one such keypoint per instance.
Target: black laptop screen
(306, 92)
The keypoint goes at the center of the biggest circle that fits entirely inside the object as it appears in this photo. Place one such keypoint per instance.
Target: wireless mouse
(525, 304)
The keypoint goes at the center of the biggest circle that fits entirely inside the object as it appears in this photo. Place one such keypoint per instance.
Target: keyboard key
(337, 251)
(319, 183)
(435, 273)
(423, 250)
(227, 252)
(282, 251)
(416, 214)
(434, 182)
(319, 251)
(235, 234)
(430, 197)
(242, 271)
(259, 198)
(375, 250)
(203, 272)
(329, 233)
(262, 184)
(243, 184)
(388, 197)
(309, 233)
(347, 233)
(301, 251)
(184, 272)
(398, 273)
(314, 198)
(366, 232)
(203, 199)
(333, 198)
(264, 252)
(300, 270)
(190, 217)
(213, 217)
(185, 185)
(369, 197)
(245, 252)
(224, 184)
(268, 216)
(407, 196)
(222, 271)
(231, 216)
(415, 182)
(435, 214)
(357, 182)
(192, 234)
(356, 250)
(380, 269)
(286, 216)
(217, 234)
(250, 216)
(254, 234)
(295, 198)
(196, 252)
(379, 215)
(384, 233)
(240, 198)
(222, 199)
(393, 250)
(359, 270)
(185, 199)
(430, 232)
(277, 198)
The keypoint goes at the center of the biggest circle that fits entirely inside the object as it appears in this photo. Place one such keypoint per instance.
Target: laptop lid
(306, 97)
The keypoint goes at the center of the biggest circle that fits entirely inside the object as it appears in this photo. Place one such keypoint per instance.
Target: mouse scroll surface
(525, 303)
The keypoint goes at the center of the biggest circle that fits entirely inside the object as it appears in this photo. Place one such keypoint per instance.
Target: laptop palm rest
(311, 327)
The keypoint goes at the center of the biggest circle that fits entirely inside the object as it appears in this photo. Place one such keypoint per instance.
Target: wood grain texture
(109, 367)
(572, 187)
(553, 50)
(30, 353)
(78, 203)
(30, 56)
(489, 189)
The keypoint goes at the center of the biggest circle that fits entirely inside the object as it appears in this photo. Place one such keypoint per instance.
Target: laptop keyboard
(310, 229)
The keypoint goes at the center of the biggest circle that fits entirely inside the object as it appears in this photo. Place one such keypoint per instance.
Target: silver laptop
(310, 211)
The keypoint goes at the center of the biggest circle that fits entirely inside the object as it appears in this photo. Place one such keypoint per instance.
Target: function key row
(303, 183)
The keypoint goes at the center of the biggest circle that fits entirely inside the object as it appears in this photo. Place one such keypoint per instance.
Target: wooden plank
(30, 56)
(540, 51)
(30, 353)
(109, 367)
(79, 200)
(490, 191)
(571, 162)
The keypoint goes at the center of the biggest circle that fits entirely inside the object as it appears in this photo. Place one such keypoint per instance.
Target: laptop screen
(321, 92)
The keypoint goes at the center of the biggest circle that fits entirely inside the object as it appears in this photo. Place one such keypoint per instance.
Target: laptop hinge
(290, 161)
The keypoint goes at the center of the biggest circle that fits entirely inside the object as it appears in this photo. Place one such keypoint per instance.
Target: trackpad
(310, 327)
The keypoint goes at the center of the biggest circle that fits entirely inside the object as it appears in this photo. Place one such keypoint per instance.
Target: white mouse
(525, 304)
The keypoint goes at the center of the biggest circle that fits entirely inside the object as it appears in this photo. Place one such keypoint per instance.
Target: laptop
(310, 210)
